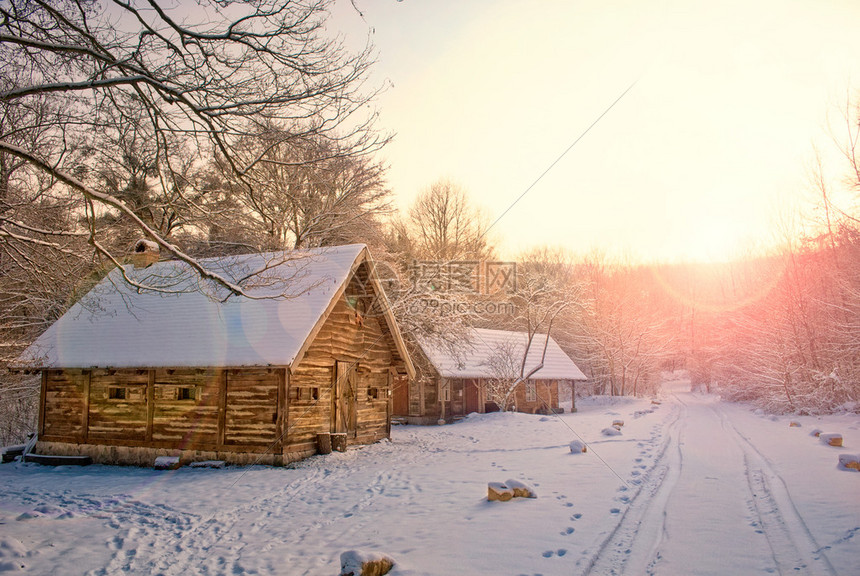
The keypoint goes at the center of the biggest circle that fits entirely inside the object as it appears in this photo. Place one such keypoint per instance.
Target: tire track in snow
(631, 546)
(794, 549)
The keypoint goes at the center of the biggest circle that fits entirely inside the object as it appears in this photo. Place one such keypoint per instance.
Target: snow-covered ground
(691, 486)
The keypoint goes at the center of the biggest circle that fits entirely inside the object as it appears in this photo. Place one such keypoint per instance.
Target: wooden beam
(42, 399)
(389, 406)
(280, 425)
(222, 410)
(85, 417)
(150, 404)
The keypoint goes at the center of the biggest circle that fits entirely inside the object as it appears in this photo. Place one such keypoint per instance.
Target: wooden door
(343, 399)
(473, 402)
(400, 394)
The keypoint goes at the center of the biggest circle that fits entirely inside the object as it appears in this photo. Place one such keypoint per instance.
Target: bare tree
(504, 367)
(619, 331)
(513, 363)
(305, 192)
(188, 80)
(445, 226)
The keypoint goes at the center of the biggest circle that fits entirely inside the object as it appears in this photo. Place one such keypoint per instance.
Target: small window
(446, 394)
(117, 393)
(186, 393)
(373, 393)
(531, 391)
(306, 394)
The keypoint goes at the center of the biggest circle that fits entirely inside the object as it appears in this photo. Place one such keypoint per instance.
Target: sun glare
(712, 240)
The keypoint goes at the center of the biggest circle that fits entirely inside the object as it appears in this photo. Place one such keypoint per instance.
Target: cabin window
(446, 394)
(531, 391)
(186, 393)
(373, 393)
(306, 393)
(117, 393)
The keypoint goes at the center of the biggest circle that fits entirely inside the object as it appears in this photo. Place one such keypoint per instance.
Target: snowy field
(692, 486)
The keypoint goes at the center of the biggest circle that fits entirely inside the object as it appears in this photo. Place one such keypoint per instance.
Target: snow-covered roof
(192, 324)
(480, 358)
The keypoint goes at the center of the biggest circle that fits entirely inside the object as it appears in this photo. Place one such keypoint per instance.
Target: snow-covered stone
(611, 431)
(360, 563)
(794, 424)
(578, 447)
(166, 463)
(816, 432)
(618, 423)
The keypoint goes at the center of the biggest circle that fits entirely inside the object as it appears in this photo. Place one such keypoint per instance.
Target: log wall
(546, 392)
(186, 422)
(63, 404)
(196, 409)
(436, 406)
(358, 340)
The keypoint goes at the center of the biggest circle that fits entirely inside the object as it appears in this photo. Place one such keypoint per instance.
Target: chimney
(145, 253)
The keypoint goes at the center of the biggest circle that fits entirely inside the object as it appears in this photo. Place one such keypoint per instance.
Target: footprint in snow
(576, 516)
(568, 531)
(614, 510)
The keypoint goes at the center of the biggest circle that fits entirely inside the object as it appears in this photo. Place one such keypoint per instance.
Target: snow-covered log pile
(849, 461)
(505, 491)
(831, 439)
(359, 563)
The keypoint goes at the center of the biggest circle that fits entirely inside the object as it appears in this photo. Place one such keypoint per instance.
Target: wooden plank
(222, 409)
(42, 397)
(85, 413)
(63, 404)
(48, 460)
(282, 398)
(150, 404)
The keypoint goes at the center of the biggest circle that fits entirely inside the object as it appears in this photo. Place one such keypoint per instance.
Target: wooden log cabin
(454, 381)
(130, 375)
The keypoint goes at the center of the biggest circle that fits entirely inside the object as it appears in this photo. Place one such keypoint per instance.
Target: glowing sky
(710, 147)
